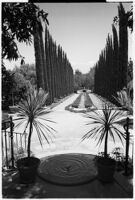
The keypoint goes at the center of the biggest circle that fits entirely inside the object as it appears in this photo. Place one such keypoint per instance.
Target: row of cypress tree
(111, 68)
(53, 69)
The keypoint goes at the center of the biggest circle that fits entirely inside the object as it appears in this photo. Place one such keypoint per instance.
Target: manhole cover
(68, 169)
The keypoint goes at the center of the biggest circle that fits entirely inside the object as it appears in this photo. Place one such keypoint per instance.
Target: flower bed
(88, 105)
(88, 102)
(76, 103)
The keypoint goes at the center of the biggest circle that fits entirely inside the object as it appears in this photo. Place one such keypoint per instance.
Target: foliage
(31, 112)
(77, 80)
(130, 70)
(105, 124)
(18, 23)
(84, 80)
(14, 86)
(7, 85)
(28, 72)
(129, 19)
(119, 157)
(20, 87)
(125, 100)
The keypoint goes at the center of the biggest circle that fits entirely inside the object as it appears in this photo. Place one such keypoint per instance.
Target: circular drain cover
(68, 169)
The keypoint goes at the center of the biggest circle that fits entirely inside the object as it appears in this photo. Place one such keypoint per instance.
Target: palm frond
(101, 136)
(101, 120)
(38, 133)
(117, 115)
(47, 128)
(48, 120)
(18, 119)
(20, 123)
(47, 135)
(112, 135)
(119, 134)
(88, 134)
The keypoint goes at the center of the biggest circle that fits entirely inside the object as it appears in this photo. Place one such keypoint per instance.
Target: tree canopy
(18, 23)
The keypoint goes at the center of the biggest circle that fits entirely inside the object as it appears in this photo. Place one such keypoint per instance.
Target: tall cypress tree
(49, 100)
(116, 70)
(44, 68)
(58, 70)
(123, 45)
(38, 55)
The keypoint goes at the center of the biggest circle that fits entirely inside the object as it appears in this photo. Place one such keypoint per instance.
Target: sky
(80, 28)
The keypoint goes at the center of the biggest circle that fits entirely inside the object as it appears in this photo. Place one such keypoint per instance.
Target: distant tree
(77, 79)
(84, 80)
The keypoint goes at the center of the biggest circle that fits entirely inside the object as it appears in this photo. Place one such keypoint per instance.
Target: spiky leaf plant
(31, 113)
(124, 99)
(106, 123)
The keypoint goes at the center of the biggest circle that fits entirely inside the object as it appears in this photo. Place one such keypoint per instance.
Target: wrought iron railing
(11, 143)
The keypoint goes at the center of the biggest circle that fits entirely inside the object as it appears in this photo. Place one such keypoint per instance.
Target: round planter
(106, 169)
(27, 168)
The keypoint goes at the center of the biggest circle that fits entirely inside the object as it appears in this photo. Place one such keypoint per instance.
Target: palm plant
(31, 111)
(106, 123)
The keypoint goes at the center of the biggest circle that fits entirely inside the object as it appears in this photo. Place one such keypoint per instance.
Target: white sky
(80, 28)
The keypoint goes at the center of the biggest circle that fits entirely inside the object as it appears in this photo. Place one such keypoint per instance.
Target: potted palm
(31, 114)
(106, 125)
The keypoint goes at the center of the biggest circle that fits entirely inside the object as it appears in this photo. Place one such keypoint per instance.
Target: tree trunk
(106, 140)
(29, 140)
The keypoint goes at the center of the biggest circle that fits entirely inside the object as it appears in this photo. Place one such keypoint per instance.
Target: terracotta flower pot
(106, 169)
(27, 168)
